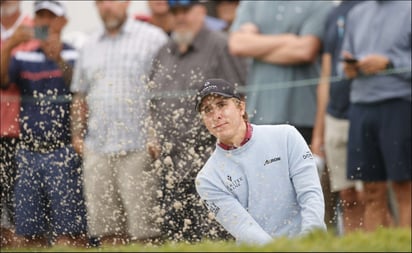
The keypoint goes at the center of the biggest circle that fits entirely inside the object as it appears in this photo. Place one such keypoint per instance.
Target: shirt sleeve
(79, 81)
(305, 178)
(14, 71)
(315, 23)
(400, 53)
(243, 15)
(230, 213)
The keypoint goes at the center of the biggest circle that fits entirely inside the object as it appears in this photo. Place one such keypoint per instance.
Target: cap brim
(212, 93)
(52, 7)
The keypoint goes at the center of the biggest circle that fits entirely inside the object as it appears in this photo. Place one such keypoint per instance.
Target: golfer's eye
(206, 109)
(221, 104)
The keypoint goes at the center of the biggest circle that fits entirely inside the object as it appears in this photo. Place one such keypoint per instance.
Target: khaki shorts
(119, 194)
(336, 141)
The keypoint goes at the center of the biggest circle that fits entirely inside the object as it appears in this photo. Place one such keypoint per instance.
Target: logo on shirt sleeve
(307, 155)
(213, 208)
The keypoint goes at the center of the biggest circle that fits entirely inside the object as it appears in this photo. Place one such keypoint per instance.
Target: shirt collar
(248, 135)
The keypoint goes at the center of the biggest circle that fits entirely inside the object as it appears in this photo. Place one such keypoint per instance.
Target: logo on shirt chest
(269, 161)
(233, 184)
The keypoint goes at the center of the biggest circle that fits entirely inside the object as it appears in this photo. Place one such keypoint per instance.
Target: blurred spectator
(76, 39)
(226, 11)
(160, 15)
(108, 112)
(15, 34)
(283, 39)
(378, 39)
(193, 54)
(330, 134)
(48, 191)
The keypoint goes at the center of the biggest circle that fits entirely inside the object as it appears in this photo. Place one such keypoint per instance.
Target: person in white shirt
(261, 181)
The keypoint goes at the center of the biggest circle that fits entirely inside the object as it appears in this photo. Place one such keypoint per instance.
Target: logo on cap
(216, 86)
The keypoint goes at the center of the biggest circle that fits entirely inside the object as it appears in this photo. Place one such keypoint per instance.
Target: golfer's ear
(242, 106)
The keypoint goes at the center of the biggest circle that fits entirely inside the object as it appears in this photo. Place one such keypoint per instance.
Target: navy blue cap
(183, 3)
(216, 86)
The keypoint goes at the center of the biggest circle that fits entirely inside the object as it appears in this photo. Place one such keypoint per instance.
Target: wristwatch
(389, 65)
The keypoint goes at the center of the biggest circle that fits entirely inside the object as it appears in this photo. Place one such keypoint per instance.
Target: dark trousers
(306, 132)
(8, 170)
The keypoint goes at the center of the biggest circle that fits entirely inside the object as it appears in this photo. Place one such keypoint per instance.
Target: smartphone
(41, 32)
(349, 60)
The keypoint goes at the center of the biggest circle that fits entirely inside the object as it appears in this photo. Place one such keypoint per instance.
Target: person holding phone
(48, 190)
(16, 35)
(41, 32)
(330, 133)
(379, 145)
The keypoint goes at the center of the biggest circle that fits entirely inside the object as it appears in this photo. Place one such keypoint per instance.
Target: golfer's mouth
(220, 125)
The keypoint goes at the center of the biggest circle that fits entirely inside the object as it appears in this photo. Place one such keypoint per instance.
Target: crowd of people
(143, 135)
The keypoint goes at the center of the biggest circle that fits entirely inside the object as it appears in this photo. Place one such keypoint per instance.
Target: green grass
(382, 240)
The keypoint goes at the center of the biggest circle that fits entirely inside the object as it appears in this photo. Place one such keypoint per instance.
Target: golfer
(261, 181)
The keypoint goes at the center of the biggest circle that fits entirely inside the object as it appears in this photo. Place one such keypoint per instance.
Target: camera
(41, 32)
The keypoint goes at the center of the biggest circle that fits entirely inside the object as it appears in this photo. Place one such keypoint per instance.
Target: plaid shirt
(111, 73)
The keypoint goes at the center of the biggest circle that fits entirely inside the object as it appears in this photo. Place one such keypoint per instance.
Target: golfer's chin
(222, 137)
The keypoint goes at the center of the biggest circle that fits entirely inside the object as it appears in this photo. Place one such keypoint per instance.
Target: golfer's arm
(231, 214)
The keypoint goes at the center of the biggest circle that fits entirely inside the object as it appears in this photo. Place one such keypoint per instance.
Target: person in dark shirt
(48, 192)
(378, 40)
(330, 133)
(193, 54)
(160, 15)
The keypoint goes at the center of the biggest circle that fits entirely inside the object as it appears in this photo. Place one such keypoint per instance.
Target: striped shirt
(44, 117)
(111, 73)
(10, 97)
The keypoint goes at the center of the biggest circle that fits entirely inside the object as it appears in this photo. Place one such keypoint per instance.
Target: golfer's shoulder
(273, 129)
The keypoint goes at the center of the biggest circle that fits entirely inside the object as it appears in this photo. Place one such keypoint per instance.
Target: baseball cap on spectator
(218, 87)
(55, 7)
(183, 3)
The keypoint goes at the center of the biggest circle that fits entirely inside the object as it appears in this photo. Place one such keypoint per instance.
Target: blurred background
(83, 17)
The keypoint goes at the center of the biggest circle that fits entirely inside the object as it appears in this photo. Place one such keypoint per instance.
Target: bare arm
(22, 34)
(295, 50)
(78, 125)
(5, 60)
(67, 70)
(286, 49)
(256, 45)
(322, 101)
(52, 47)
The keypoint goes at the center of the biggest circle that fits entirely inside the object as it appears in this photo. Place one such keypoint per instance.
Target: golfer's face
(222, 116)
